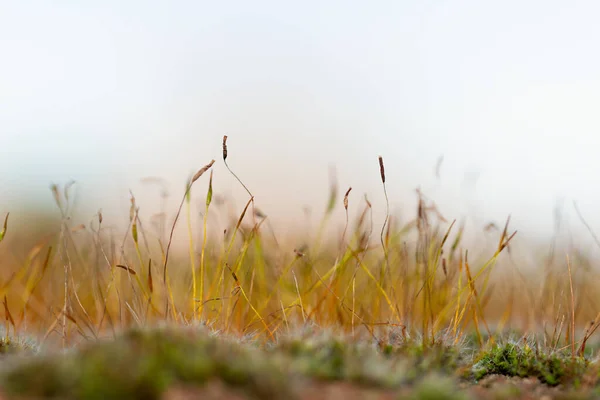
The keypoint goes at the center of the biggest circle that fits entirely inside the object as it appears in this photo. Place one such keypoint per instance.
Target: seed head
(381, 169)
(224, 147)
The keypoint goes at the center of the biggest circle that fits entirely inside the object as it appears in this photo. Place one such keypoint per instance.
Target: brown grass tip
(126, 268)
(224, 147)
(346, 197)
(381, 169)
(202, 170)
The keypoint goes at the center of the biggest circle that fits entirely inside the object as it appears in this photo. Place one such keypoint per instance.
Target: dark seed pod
(381, 169)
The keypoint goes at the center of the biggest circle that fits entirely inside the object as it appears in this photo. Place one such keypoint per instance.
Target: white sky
(108, 92)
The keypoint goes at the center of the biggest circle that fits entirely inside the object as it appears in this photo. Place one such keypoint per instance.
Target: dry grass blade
(505, 238)
(369, 205)
(4, 227)
(587, 226)
(299, 297)
(470, 280)
(70, 317)
(572, 309)
(235, 278)
(243, 214)
(447, 234)
(347, 220)
(56, 195)
(201, 171)
(167, 251)
(7, 312)
(593, 326)
(239, 289)
(67, 188)
(506, 243)
(385, 222)
(333, 190)
(502, 243)
(46, 260)
(230, 171)
(126, 268)
(457, 240)
(209, 196)
(150, 284)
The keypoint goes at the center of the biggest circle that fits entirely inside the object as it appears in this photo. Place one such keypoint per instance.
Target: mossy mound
(142, 365)
(521, 360)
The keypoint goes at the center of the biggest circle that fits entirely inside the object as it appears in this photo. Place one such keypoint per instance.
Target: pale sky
(108, 92)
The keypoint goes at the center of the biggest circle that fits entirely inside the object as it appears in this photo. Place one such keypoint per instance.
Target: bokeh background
(109, 92)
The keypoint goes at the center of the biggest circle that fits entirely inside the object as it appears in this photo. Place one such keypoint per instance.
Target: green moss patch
(142, 365)
(511, 359)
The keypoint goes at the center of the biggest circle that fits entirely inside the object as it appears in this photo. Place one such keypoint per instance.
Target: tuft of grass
(521, 360)
(18, 345)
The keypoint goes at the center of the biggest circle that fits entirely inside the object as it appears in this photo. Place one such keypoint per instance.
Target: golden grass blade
(572, 334)
(150, 284)
(385, 222)
(4, 227)
(8, 315)
(167, 252)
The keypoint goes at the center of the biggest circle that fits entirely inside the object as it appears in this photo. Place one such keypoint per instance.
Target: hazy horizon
(108, 93)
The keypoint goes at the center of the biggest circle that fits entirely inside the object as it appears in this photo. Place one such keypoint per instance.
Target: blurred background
(491, 109)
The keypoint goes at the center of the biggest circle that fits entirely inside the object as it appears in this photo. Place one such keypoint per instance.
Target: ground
(188, 363)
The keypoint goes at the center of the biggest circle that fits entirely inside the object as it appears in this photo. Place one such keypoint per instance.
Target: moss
(511, 359)
(14, 345)
(437, 388)
(323, 359)
(327, 357)
(142, 364)
(439, 357)
(42, 378)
